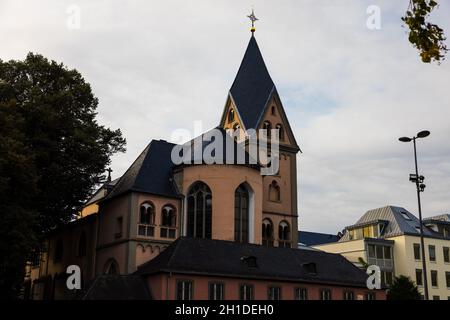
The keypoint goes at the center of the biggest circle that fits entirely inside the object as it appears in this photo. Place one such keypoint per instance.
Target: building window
(349, 295)
(199, 211)
(267, 233)
(419, 277)
(447, 279)
(59, 250)
(369, 296)
(274, 293)
(301, 294)
(111, 267)
(386, 277)
(436, 298)
(432, 252)
(82, 244)
(267, 126)
(146, 226)
(446, 254)
(168, 222)
(231, 115)
(405, 216)
(381, 256)
(216, 291)
(241, 208)
(274, 192)
(279, 127)
(284, 235)
(325, 294)
(119, 227)
(184, 290)
(434, 278)
(246, 292)
(273, 110)
(416, 251)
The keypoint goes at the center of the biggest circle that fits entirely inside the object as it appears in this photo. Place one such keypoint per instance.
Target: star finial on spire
(252, 18)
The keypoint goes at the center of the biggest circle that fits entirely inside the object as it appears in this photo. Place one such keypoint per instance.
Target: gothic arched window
(284, 235)
(267, 232)
(111, 267)
(168, 222)
(231, 115)
(241, 216)
(279, 127)
(146, 226)
(274, 191)
(267, 126)
(199, 211)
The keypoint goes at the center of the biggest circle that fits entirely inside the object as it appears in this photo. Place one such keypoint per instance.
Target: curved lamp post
(420, 186)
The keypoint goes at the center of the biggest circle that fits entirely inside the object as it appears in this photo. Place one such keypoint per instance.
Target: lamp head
(423, 134)
(405, 139)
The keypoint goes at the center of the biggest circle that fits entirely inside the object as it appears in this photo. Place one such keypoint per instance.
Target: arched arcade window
(279, 127)
(284, 235)
(199, 211)
(241, 214)
(146, 225)
(267, 232)
(274, 191)
(168, 222)
(231, 115)
(267, 126)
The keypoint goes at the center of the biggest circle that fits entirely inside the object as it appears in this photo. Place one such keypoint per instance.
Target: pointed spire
(252, 86)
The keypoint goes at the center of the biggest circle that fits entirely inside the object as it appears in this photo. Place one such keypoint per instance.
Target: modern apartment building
(389, 237)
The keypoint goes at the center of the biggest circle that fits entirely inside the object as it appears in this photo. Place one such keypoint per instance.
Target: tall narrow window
(246, 292)
(199, 211)
(267, 233)
(119, 227)
(279, 127)
(274, 293)
(284, 235)
(267, 126)
(416, 251)
(301, 294)
(216, 291)
(325, 294)
(82, 244)
(432, 253)
(146, 226)
(349, 295)
(370, 296)
(241, 207)
(231, 115)
(168, 222)
(434, 278)
(419, 277)
(274, 191)
(446, 254)
(273, 111)
(184, 290)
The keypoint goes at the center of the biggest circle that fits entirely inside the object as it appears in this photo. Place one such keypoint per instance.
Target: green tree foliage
(427, 37)
(52, 154)
(403, 288)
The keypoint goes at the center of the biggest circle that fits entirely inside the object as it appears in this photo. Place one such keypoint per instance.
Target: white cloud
(349, 92)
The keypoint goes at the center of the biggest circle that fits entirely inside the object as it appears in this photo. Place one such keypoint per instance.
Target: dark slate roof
(225, 258)
(117, 287)
(315, 238)
(151, 172)
(252, 86)
(396, 223)
(219, 156)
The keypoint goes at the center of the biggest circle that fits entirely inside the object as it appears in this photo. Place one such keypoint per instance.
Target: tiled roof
(252, 86)
(117, 287)
(225, 258)
(315, 238)
(151, 172)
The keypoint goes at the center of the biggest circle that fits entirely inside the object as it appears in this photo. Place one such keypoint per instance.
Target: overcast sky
(349, 92)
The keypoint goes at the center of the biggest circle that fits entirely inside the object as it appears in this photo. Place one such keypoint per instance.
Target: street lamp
(420, 186)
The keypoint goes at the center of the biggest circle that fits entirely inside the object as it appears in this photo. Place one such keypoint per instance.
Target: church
(200, 230)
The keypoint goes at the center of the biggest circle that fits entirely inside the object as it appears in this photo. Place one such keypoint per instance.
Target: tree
(52, 154)
(427, 37)
(403, 288)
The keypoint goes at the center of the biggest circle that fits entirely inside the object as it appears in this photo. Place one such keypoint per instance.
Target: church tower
(253, 103)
